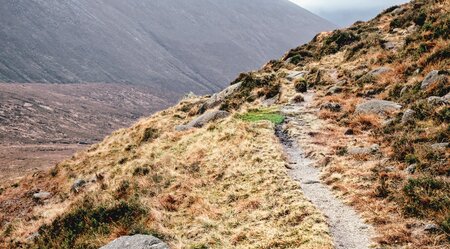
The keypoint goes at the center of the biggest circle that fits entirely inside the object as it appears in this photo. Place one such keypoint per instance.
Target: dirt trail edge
(347, 229)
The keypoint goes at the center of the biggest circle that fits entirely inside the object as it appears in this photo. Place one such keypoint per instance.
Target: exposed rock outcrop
(203, 119)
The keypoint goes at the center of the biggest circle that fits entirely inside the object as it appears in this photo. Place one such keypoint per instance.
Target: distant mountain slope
(182, 45)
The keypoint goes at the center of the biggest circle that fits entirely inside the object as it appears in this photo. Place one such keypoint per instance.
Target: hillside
(362, 113)
(176, 45)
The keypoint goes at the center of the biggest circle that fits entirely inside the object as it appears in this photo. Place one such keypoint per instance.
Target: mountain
(181, 45)
(343, 142)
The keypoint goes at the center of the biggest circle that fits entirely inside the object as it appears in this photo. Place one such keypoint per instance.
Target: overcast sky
(346, 12)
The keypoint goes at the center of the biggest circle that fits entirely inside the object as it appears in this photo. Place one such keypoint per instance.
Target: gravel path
(346, 227)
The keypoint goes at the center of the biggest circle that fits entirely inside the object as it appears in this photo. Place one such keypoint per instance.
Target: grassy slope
(224, 185)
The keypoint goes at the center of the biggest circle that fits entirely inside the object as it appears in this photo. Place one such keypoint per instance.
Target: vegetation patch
(256, 115)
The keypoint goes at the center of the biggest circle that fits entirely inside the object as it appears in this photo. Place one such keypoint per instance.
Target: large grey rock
(408, 116)
(218, 98)
(203, 119)
(432, 78)
(136, 242)
(376, 106)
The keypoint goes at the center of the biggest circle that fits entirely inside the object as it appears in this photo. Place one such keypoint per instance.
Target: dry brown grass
(222, 187)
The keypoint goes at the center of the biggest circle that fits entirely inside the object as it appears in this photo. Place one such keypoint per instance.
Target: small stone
(431, 228)
(411, 169)
(33, 236)
(334, 90)
(408, 116)
(310, 182)
(349, 132)
(440, 146)
(78, 184)
(298, 99)
(435, 100)
(334, 107)
(42, 195)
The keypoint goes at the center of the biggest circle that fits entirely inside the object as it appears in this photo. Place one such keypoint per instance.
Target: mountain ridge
(117, 42)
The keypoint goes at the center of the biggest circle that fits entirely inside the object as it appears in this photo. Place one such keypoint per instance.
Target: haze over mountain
(182, 45)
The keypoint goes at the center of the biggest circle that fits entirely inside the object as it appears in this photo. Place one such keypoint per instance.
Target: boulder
(376, 106)
(218, 98)
(298, 99)
(136, 242)
(408, 116)
(78, 184)
(203, 119)
(334, 107)
(433, 77)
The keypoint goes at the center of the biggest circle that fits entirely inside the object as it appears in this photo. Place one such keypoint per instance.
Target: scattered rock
(440, 146)
(77, 185)
(334, 107)
(294, 75)
(309, 182)
(298, 99)
(375, 148)
(379, 71)
(136, 242)
(218, 98)
(334, 90)
(408, 116)
(447, 97)
(33, 236)
(349, 132)
(203, 119)
(403, 91)
(27, 105)
(270, 102)
(376, 106)
(42, 195)
(434, 100)
(431, 228)
(432, 78)
(411, 168)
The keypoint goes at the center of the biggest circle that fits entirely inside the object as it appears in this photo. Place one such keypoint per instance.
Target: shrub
(149, 135)
(141, 171)
(89, 220)
(426, 196)
(301, 85)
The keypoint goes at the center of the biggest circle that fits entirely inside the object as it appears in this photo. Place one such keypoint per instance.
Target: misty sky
(346, 12)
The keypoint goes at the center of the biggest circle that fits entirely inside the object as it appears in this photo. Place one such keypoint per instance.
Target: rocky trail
(347, 229)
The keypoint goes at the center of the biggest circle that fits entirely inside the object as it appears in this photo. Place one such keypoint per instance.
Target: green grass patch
(255, 115)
